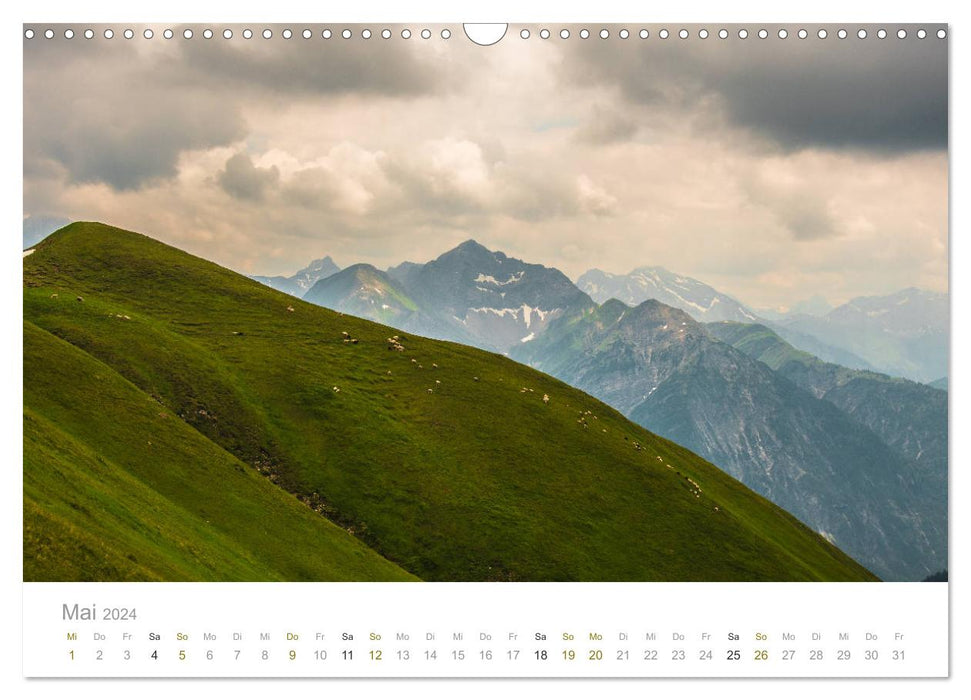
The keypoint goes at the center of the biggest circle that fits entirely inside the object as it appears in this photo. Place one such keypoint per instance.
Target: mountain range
(184, 422)
(365, 291)
(816, 305)
(801, 437)
(468, 295)
(902, 334)
(702, 302)
(908, 416)
(300, 282)
(905, 334)
(668, 373)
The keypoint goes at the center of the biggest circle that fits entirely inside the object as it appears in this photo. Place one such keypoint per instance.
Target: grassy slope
(116, 488)
(474, 480)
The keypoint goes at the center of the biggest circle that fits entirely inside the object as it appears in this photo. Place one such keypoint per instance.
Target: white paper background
(493, 10)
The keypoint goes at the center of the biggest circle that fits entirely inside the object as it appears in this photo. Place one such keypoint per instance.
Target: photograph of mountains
(404, 309)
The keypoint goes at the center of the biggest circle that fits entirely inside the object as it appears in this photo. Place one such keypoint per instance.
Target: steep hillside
(454, 463)
(116, 487)
(910, 418)
(663, 370)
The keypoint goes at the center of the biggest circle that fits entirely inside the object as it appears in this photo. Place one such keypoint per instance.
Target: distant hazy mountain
(300, 283)
(500, 301)
(469, 295)
(939, 384)
(405, 273)
(365, 291)
(701, 302)
(815, 305)
(905, 334)
(814, 346)
(39, 227)
(666, 372)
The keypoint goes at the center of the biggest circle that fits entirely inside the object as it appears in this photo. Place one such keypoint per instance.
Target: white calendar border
(494, 10)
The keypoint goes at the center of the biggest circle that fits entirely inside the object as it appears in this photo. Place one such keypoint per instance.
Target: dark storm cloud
(885, 95)
(96, 113)
(132, 142)
(243, 180)
(100, 111)
(315, 67)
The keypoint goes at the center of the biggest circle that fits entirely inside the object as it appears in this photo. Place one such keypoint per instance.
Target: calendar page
(531, 350)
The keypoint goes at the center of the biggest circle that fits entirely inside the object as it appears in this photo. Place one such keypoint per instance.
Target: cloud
(607, 126)
(122, 114)
(243, 180)
(94, 115)
(446, 175)
(126, 139)
(888, 95)
(802, 205)
(871, 95)
(593, 198)
(461, 178)
(315, 67)
(348, 181)
(706, 157)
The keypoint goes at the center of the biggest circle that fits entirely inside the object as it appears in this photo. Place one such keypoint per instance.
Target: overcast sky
(771, 169)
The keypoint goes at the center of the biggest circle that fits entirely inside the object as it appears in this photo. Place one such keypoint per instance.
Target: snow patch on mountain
(698, 299)
(528, 313)
(492, 280)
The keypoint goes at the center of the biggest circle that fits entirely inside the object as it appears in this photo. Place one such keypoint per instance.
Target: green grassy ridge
(117, 488)
(476, 480)
(766, 346)
(759, 342)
